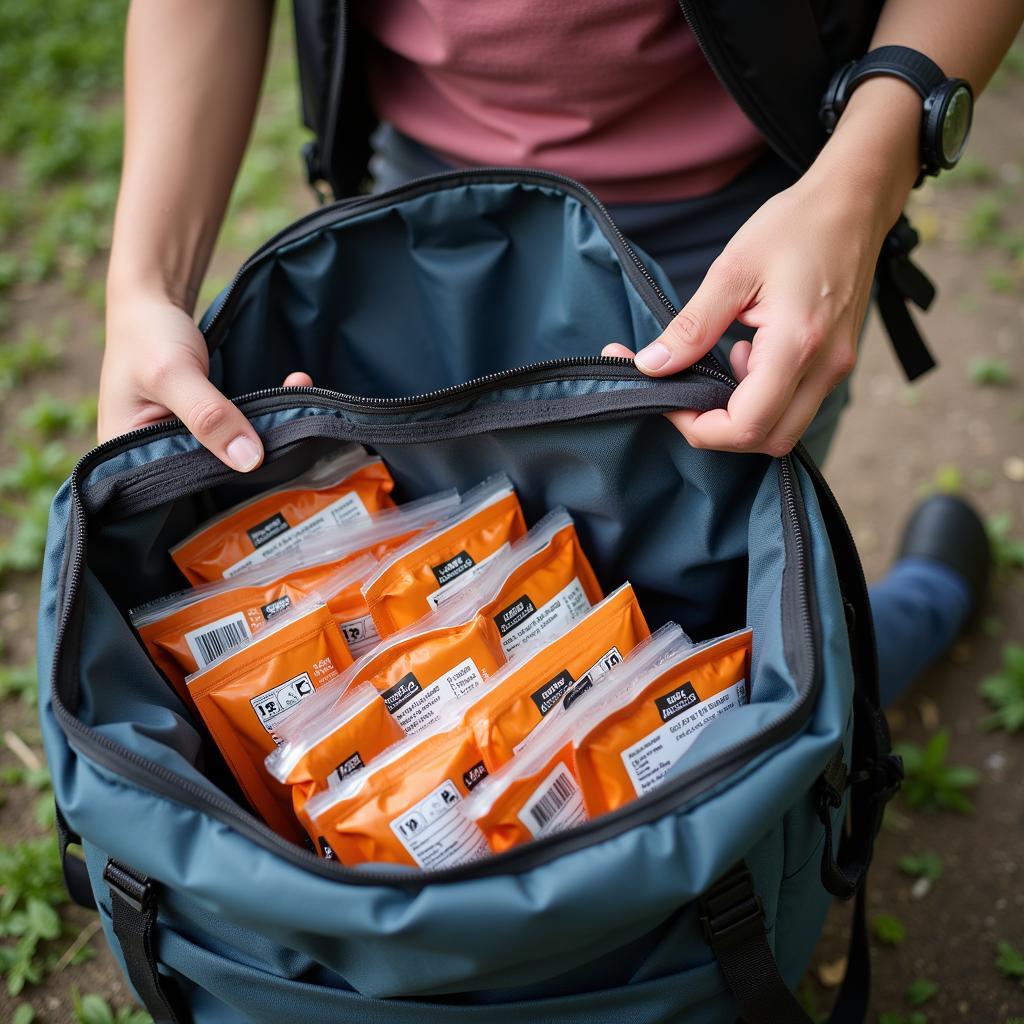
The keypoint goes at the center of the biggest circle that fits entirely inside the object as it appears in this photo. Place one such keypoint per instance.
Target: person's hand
(155, 366)
(799, 273)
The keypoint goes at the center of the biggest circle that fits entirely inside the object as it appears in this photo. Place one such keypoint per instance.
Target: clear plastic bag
(347, 485)
(428, 571)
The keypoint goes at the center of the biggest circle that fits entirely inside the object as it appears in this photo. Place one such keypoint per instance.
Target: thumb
(696, 328)
(216, 423)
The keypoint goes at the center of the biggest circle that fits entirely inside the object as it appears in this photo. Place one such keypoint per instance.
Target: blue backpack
(449, 325)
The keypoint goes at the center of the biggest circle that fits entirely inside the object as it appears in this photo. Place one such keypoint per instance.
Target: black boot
(948, 530)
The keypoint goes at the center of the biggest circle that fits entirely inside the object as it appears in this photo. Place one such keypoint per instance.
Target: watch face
(956, 123)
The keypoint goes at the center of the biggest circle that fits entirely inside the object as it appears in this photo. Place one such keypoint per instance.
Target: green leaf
(24, 1014)
(19, 681)
(888, 929)
(930, 782)
(91, 1008)
(43, 919)
(988, 370)
(920, 992)
(1004, 691)
(1007, 550)
(927, 864)
(1010, 961)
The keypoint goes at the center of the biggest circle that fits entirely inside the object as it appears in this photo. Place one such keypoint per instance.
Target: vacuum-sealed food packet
(533, 796)
(344, 486)
(517, 699)
(405, 808)
(537, 792)
(637, 728)
(246, 695)
(535, 590)
(440, 562)
(188, 630)
(419, 675)
(192, 629)
(365, 724)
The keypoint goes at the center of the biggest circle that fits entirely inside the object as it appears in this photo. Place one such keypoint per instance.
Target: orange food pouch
(406, 807)
(541, 798)
(245, 696)
(537, 792)
(628, 744)
(338, 489)
(369, 729)
(416, 678)
(425, 672)
(439, 563)
(199, 626)
(517, 699)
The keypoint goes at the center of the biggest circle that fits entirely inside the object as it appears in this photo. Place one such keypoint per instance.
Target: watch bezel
(936, 109)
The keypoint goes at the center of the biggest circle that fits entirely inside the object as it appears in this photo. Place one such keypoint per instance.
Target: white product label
(273, 705)
(416, 706)
(211, 641)
(436, 834)
(684, 715)
(557, 804)
(281, 537)
(452, 586)
(360, 634)
(558, 693)
(521, 621)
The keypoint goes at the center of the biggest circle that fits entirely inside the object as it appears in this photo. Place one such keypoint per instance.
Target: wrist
(129, 287)
(873, 158)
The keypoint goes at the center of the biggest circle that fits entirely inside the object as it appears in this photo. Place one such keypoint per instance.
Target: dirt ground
(895, 442)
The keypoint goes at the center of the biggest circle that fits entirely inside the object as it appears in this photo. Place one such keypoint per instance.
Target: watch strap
(911, 66)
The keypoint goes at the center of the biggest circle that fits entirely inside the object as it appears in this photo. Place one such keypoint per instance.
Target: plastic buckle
(887, 778)
(136, 890)
(731, 912)
(831, 786)
(314, 170)
(902, 238)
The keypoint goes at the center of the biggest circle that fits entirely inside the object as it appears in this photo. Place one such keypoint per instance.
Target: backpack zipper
(670, 797)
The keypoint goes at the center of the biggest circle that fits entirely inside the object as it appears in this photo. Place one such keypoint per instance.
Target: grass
(1007, 549)
(1010, 961)
(888, 929)
(94, 1009)
(927, 864)
(31, 888)
(989, 371)
(23, 359)
(930, 782)
(1004, 691)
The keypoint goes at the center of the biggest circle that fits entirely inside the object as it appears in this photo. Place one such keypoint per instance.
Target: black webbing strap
(897, 282)
(76, 875)
(733, 921)
(133, 908)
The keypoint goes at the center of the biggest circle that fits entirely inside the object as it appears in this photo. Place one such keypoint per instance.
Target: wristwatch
(948, 102)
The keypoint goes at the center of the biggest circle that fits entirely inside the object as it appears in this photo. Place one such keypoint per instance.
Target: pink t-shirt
(615, 93)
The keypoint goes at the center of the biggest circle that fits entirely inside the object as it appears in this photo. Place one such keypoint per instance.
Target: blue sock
(918, 609)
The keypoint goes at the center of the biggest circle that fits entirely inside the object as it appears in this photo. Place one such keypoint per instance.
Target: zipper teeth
(401, 402)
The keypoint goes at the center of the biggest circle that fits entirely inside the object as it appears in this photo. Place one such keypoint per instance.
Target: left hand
(799, 273)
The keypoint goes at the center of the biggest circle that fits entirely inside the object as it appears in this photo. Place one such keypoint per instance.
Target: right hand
(155, 366)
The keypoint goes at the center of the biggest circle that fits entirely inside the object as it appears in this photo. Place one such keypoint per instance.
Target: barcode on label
(560, 790)
(212, 641)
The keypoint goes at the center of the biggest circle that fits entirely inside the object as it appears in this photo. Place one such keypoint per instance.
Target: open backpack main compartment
(450, 326)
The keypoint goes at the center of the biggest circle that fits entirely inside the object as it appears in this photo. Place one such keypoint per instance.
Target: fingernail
(654, 357)
(244, 453)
